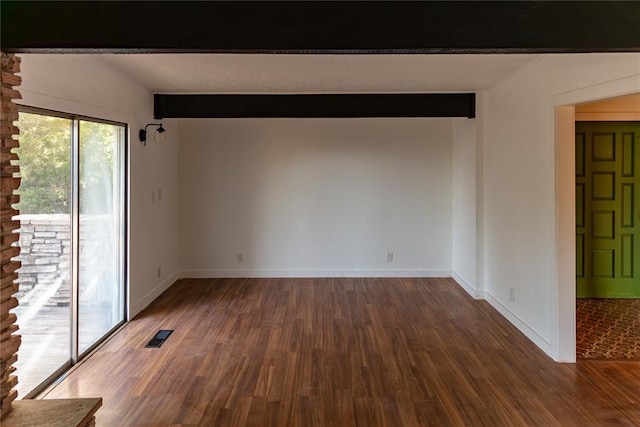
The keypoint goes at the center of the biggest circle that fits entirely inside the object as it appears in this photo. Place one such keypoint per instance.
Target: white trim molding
(475, 294)
(529, 332)
(202, 274)
(623, 116)
(135, 309)
(624, 86)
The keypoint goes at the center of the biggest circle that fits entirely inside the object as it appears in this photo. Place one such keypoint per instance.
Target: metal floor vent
(159, 338)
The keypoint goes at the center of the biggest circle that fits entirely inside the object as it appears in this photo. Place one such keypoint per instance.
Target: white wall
(520, 209)
(464, 204)
(316, 197)
(82, 84)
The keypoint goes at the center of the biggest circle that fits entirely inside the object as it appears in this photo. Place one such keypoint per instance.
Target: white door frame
(564, 103)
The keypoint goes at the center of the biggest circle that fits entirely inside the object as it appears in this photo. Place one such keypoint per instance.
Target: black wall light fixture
(143, 132)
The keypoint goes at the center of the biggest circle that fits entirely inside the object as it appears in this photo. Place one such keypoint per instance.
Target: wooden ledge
(53, 413)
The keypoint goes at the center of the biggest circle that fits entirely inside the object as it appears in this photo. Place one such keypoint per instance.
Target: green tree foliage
(97, 143)
(45, 164)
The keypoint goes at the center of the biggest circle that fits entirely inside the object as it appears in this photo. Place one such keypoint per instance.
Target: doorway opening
(607, 218)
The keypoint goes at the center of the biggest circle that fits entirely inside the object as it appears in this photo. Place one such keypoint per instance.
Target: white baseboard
(136, 308)
(203, 274)
(530, 333)
(475, 294)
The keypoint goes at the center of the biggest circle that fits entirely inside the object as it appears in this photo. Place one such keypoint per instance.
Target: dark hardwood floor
(341, 352)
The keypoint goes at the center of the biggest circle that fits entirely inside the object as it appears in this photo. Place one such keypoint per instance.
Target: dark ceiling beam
(319, 27)
(315, 105)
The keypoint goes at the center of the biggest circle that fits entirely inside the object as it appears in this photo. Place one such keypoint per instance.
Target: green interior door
(608, 209)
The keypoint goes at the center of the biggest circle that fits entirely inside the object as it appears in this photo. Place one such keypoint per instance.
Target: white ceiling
(260, 73)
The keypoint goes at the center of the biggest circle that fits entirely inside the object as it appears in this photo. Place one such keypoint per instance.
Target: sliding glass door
(44, 293)
(73, 252)
(100, 231)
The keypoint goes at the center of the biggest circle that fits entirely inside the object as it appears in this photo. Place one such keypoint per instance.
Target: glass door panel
(44, 296)
(101, 231)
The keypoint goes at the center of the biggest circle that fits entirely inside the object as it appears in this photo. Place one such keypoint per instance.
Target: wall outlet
(160, 194)
(389, 256)
(240, 257)
(159, 271)
(512, 295)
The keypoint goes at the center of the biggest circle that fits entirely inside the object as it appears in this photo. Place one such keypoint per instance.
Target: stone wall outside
(45, 254)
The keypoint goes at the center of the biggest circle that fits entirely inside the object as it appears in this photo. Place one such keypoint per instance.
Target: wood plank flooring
(341, 352)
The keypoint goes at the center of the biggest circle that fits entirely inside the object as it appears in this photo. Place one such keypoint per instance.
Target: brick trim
(10, 174)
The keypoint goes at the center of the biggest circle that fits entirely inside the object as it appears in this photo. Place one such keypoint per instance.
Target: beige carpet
(608, 329)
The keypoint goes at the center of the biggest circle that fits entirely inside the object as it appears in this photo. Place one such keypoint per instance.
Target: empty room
(320, 213)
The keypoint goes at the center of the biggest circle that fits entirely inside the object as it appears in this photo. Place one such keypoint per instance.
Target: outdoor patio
(45, 344)
(46, 340)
